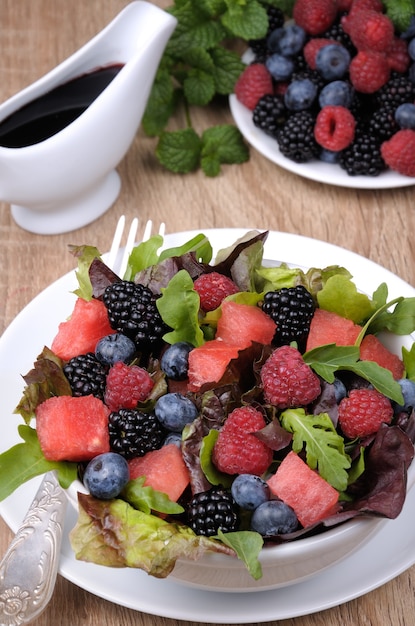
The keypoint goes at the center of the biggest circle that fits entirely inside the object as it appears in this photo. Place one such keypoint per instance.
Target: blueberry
(274, 518)
(106, 475)
(329, 156)
(174, 411)
(411, 49)
(115, 347)
(332, 61)
(249, 491)
(336, 93)
(405, 115)
(300, 94)
(340, 390)
(273, 41)
(175, 438)
(175, 360)
(408, 392)
(279, 66)
(291, 41)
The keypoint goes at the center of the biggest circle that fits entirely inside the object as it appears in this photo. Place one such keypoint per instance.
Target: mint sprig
(199, 66)
(400, 12)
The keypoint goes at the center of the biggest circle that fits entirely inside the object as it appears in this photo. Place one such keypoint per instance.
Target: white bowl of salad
(252, 427)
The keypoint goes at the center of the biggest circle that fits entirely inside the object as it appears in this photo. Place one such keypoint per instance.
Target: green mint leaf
(199, 87)
(340, 295)
(199, 58)
(147, 499)
(323, 445)
(25, 461)
(179, 151)
(400, 12)
(247, 20)
(179, 307)
(247, 545)
(84, 255)
(142, 256)
(227, 69)
(222, 144)
(161, 104)
(213, 8)
(194, 29)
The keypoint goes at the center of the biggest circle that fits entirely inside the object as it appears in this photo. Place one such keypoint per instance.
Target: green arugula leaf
(179, 151)
(323, 445)
(400, 12)
(222, 144)
(400, 321)
(179, 307)
(147, 499)
(25, 461)
(247, 545)
(408, 357)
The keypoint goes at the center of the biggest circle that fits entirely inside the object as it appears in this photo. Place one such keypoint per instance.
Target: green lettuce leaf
(339, 295)
(323, 445)
(85, 255)
(114, 534)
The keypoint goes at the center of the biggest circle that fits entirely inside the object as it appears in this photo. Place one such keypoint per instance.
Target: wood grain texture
(34, 37)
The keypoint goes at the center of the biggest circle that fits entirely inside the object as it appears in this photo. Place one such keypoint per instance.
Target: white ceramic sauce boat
(68, 180)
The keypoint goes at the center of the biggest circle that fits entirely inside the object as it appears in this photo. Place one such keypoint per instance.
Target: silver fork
(29, 567)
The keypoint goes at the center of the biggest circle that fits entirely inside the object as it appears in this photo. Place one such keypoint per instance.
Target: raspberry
(363, 412)
(254, 82)
(237, 450)
(213, 288)
(287, 380)
(335, 127)
(399, 152)
(312, 47)
(315, 16)
(369, 30)
(366, 5)
(369, 71)
(126, 386)
(398, 58)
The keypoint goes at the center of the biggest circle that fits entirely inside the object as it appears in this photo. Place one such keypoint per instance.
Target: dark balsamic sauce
(47, 115)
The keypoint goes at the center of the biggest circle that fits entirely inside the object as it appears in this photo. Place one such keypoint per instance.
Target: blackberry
(133, 433)
(132, 311)
(397, 90)
(212, 510)
(296, 137)
(363, 157)
(300, 73)
(269, 114)
(383, 124)
(86, 375)
(292, 310)
(337, 33)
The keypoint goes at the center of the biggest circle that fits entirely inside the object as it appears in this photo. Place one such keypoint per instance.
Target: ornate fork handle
(29, 568)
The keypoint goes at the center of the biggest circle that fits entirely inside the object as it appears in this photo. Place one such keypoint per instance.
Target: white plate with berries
(385, 556)
(331, 174)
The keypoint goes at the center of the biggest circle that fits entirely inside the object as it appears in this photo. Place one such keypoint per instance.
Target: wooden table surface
(34, 37)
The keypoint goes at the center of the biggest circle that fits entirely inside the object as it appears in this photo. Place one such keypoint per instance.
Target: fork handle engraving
(29, 568)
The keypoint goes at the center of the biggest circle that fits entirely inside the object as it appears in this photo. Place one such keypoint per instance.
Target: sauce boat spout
(62, 137)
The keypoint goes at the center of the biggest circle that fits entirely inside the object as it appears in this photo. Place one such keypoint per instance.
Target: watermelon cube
(82, 331)
(372, 349)
(164, 469)
(304, 490)
(328, 327)
(208, 363)
(72, 428)
(241, 324)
